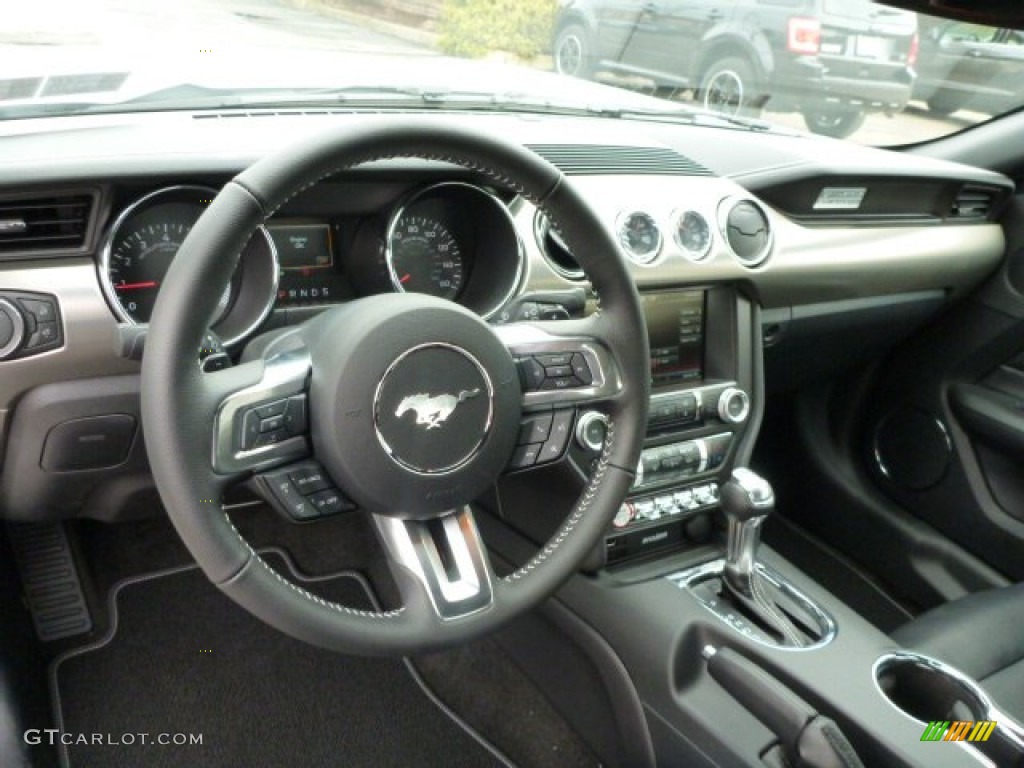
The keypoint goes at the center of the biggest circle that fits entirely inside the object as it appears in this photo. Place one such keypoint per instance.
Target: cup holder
(927, 689)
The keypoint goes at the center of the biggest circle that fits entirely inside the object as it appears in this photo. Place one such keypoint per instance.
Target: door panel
(964, 377)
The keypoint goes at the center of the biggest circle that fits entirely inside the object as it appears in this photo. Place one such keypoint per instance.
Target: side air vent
(45, 223)
(554, 249)
(746, 229)
(972, 203)
(599, 159)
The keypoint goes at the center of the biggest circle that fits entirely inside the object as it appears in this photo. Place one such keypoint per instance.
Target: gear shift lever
(747, 499)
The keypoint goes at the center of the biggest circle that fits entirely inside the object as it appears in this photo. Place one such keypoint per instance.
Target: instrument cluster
(453, 240)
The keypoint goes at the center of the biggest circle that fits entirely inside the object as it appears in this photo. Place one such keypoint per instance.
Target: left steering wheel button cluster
(272, 422)
(304, 492)
(543, 438)
(554, 371)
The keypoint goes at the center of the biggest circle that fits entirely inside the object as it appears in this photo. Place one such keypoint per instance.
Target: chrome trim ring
(701, 573)
(693, 256)
(414, 197)
(724, 209)
(103, 265)
(542, 230)
(643, 260)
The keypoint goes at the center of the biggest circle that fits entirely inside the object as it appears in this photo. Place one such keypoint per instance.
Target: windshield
(849, 69)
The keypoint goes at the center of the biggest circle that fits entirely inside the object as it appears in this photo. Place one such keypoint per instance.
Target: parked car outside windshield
(833, 61)
(841, 68)
(970, 67)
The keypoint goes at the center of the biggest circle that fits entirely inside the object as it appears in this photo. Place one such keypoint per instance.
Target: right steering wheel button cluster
(554, 371)
(303, 492)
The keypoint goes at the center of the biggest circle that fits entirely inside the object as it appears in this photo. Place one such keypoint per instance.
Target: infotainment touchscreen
(675, 327)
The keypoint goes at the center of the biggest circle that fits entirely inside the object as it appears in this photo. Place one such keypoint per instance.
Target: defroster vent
(603, 159)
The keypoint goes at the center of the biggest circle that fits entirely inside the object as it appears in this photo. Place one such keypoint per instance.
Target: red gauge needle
(405, 279)
(135, 286)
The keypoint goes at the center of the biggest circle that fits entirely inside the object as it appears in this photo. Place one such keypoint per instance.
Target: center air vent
(554, 249)
(602, 159)
(50, 223)
(747, 230)
(972, 203)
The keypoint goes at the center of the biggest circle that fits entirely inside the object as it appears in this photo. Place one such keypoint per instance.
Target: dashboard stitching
(577, 515)
(306, 593)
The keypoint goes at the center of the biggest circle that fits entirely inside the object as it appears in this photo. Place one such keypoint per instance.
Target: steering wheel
(415, 404)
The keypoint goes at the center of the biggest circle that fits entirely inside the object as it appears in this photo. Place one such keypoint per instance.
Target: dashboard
(724, 230)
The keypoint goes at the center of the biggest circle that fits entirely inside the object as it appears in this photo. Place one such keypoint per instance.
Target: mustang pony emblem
(433, 411)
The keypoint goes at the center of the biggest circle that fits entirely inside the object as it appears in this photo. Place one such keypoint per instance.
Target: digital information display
(309, 275)
(302, 246)
(675, 329)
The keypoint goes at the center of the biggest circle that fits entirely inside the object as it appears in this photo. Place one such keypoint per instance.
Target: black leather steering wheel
(363, 366)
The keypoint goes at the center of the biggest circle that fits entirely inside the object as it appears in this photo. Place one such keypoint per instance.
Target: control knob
(591, 430)
(733, 406)
(12, 328)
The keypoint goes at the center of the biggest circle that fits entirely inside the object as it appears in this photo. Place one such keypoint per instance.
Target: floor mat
(185, 660)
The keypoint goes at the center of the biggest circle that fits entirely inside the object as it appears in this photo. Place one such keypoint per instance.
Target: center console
(709, 649)
(701, 405)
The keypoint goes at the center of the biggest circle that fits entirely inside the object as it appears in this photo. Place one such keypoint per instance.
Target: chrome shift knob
(747, 499)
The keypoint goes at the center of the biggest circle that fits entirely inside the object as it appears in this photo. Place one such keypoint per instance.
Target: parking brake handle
(807, 738)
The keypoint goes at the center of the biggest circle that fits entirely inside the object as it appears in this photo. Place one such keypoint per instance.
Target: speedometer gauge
(424, 257)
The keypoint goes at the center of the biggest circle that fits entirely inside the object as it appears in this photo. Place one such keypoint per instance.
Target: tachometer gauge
(145, 239)
(639, 235)
(424, 257)
(693, 235)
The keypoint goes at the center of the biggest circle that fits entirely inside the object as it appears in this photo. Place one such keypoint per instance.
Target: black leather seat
(983, 636)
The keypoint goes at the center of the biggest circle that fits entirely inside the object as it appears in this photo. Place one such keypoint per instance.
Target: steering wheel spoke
(265, 422)
(451, 573)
